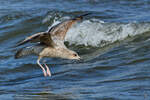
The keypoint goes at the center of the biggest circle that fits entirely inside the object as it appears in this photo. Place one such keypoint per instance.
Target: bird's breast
(49, 52)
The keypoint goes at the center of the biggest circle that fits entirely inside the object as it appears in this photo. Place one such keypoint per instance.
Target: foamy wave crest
(97, 33)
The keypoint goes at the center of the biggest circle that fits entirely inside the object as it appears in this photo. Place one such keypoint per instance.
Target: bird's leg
(38, 62)
(47, 68)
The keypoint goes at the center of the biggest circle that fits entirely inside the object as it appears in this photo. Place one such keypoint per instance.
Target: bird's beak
(79, 58)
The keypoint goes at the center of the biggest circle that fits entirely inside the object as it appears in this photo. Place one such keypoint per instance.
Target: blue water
(114, 42)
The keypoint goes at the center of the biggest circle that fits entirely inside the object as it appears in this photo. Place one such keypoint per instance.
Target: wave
(94, 32)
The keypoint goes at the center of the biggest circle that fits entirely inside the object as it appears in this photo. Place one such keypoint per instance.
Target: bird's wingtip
(81, 16)
(89, 13)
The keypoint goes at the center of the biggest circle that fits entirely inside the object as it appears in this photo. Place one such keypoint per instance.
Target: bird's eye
(75, 55)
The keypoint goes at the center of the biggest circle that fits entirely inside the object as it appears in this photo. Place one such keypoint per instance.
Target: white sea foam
(98, 33)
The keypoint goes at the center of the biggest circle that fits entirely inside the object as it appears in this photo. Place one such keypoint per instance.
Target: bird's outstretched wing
(58, 32)
(54, 36)
(42, 37)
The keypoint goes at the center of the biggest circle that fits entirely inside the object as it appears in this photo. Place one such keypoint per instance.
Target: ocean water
(114, 42)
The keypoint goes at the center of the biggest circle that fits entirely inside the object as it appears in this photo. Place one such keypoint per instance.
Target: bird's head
(69, 54)
(74, 55)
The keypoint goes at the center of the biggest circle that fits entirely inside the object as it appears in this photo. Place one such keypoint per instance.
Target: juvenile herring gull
(50, 44)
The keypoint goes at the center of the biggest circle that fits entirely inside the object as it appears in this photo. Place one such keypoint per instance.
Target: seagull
(50, 44)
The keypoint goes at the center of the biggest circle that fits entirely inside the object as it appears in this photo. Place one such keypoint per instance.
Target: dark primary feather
(30, 38)
(81, 16)
(42, 37)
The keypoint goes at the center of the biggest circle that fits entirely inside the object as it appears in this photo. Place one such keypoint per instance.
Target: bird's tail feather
(23, 52)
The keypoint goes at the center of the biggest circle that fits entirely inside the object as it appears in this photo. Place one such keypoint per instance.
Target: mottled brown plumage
(51, 44)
